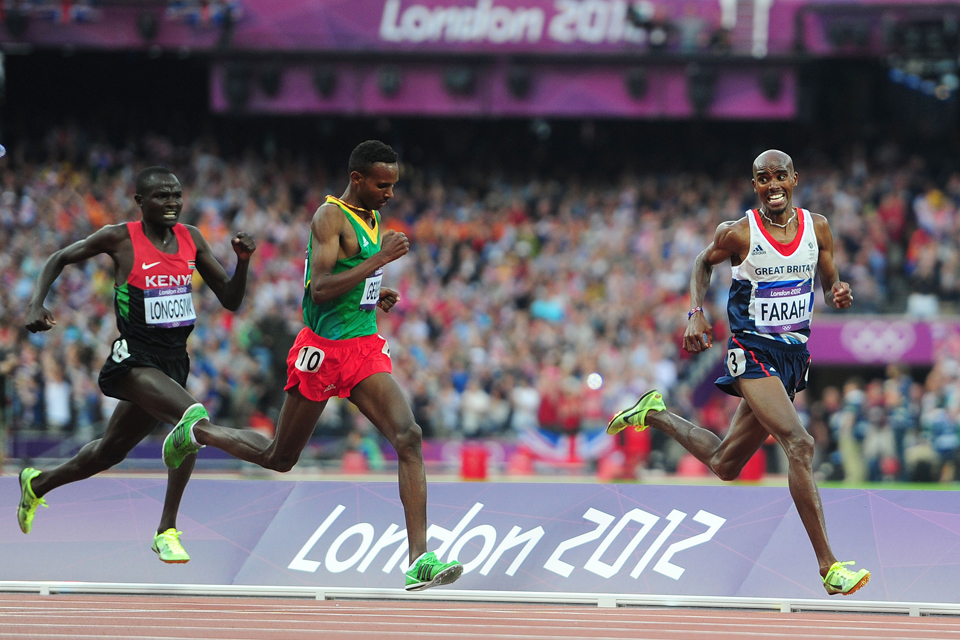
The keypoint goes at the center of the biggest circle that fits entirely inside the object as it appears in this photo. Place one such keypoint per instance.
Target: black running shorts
(127, 354)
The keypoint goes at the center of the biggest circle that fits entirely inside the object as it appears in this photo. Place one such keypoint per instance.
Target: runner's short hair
(145, 176)
(370, 153)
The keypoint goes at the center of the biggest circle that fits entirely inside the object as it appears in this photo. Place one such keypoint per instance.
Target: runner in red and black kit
(155, 313)
(147, 368)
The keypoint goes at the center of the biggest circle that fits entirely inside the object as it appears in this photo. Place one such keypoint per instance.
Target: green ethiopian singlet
(354, 313)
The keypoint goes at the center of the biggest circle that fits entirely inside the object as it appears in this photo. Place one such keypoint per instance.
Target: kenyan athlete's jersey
(155, 305)
(771, 295)
(352, 314)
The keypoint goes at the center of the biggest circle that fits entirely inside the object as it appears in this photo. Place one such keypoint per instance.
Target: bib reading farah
(155, 305)
(772, 290)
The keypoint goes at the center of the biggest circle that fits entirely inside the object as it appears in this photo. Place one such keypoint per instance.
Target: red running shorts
(324, 368)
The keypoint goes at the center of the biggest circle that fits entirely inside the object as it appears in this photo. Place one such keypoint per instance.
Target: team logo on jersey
(758, 251)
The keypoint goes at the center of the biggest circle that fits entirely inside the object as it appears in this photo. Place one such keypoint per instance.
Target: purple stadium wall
(671, 540)
(567, 90)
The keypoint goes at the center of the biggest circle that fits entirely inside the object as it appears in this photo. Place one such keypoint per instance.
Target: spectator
(515, 289)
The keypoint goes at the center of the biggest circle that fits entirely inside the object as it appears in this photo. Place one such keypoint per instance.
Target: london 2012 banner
(571, 538)
(437, 26)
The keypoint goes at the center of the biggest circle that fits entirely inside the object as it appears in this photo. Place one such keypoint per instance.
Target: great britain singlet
(155, 305)
(352, 314)
(772, 291)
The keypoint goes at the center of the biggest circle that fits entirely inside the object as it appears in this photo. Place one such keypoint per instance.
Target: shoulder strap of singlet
(358, 223)
(185, 240)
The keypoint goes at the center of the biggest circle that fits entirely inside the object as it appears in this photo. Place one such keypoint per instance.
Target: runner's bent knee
(726, 470)
(281, 462)
(799, 448)
(727, 464)
(408, 439)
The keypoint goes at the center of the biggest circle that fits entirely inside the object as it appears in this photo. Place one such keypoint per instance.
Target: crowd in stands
(514, 291)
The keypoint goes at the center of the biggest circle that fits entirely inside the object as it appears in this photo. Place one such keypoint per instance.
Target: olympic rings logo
(878, 340)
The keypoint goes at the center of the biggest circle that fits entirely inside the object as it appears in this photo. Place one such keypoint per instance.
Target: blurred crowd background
(560, 173)
(518, 286)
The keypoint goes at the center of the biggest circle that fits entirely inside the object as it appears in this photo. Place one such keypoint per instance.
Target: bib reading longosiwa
(352, 314)
(155, 305)
(772, 290)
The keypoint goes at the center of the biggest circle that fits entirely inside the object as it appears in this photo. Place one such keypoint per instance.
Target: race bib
(736, 362)
(309, 359)
(169, 307)
(371, 291)
(782, 309)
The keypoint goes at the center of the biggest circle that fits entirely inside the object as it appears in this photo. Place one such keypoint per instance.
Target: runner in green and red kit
(339, 352)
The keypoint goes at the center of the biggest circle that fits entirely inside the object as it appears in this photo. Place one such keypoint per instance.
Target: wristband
(693, 311)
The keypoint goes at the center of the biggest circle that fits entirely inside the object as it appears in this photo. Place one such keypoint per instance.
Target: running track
(92, 617)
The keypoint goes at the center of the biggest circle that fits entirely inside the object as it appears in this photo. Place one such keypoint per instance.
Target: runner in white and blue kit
(771, 306)
(775, 251)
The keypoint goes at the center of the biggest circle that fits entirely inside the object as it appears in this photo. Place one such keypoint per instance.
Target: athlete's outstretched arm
(229, 290)
(726, 243)
(836, 293)
(105, 240)
(325, 230)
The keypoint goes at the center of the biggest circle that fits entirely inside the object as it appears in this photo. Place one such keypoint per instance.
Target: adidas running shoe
(430, 572)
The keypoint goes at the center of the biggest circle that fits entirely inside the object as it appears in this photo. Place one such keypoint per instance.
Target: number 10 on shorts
(736, 362)
(309, 359)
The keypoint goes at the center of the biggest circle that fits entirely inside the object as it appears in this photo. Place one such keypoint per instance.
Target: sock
(414, 563)
(205, 416)
(193, 438)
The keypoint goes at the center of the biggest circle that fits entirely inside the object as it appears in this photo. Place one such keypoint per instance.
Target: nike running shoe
(167, 546)
(28, 500)
(430, 572)
(178, 444)
(637, 414)
(844, 581)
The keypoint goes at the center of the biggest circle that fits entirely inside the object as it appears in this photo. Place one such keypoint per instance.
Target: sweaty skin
(765, 408)
(158, 397)
(378, 397)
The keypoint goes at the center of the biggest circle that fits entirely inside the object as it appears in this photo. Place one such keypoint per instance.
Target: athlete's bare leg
(298, 418)
(765, 410)
(772, 407)
(176, 484)
(727, 457)
(381, 400)
(128, 425)
(158, 398)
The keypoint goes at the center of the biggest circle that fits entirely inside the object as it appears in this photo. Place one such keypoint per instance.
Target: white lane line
(520, 614)
(214, 603)
(419, 634)
(900, 624)
(905, 624)
(459, 631)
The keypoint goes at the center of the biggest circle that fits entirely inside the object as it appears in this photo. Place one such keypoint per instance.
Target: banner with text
(743, 27)
(421, 26)
(581, 538)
